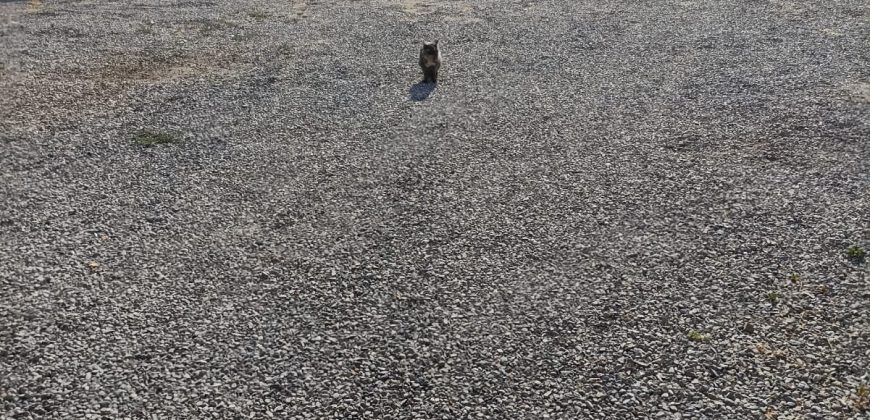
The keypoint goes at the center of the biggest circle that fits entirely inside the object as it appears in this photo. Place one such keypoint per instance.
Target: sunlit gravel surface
(606, 209)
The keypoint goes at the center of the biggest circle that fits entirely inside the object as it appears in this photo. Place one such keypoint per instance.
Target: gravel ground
(606, 209)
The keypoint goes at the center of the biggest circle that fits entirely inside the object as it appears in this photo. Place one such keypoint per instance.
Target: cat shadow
(420, 91)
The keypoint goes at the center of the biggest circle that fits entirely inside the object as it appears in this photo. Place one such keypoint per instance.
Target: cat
(430, 61)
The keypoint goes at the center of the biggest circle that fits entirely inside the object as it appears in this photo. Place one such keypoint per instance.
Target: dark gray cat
(430, 61)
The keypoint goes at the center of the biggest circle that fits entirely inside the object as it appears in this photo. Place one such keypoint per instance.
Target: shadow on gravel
(421, 91)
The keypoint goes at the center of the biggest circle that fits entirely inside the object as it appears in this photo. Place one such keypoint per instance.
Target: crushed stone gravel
(605, 209)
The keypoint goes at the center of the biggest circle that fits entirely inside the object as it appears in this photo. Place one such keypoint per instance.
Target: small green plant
(210, 26)
(696, 336)
(242, 36)
(150, 138)
(794, 278)
(774, 297)
(258, 14)
(144, 30)
(856, 253)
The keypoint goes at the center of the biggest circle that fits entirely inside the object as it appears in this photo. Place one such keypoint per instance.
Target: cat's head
(430, 47)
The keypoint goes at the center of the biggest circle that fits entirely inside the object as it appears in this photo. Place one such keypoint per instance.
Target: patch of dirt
(454, 11)
(157, 66)
(860, 91)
